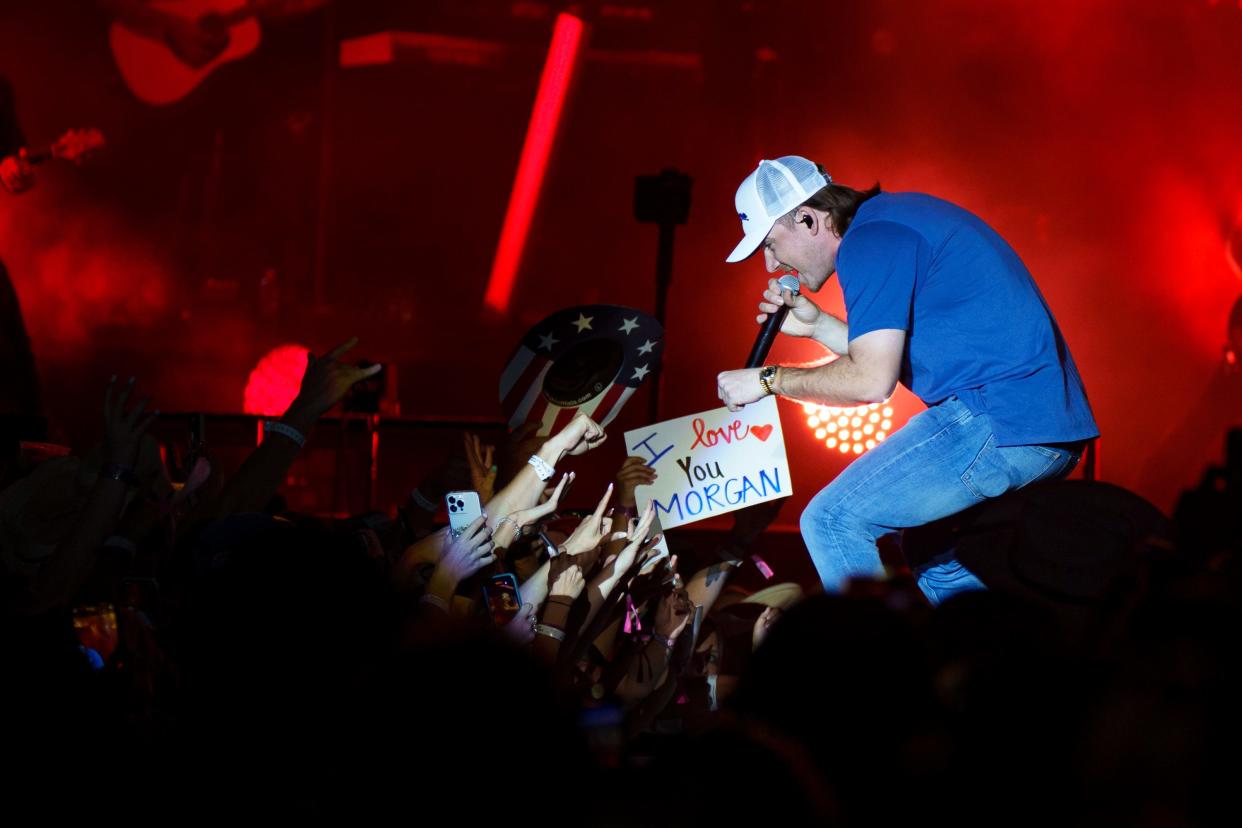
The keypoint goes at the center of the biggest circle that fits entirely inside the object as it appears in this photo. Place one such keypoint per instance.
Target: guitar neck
(39, 156)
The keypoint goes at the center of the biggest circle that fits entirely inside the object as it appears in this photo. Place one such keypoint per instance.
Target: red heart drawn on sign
(762, 432)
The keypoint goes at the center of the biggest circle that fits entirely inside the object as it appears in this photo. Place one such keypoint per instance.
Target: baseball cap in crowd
(771, 191)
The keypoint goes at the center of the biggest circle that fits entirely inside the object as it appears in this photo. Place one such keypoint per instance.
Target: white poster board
(712, 463)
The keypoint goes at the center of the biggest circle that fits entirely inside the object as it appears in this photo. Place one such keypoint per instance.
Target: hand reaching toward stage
(508, 529)
(634, 472)
(674, 612)
(123, 429)
(463, 556)
(325, 383)
(592, 530)
(763, 625)
(569, 581)
(580, 436)
(482, 469)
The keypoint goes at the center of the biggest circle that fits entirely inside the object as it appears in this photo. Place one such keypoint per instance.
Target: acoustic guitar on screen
(170, 47)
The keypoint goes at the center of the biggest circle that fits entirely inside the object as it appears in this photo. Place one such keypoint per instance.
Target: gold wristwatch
(766, 375)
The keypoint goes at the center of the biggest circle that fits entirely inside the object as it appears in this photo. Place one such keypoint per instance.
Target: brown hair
(838, 201)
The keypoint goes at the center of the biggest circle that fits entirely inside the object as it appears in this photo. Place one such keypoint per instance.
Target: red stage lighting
(274, 382)
(553, 85)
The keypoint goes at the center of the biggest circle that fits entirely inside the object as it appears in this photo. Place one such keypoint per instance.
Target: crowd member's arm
(612, 572)
(324, 384)
(592, 531)
(510, 526)
(424, 500)
(553, 628)
(463, 556)
(705, 586)
(867, 374)
(579, 437)
(634, 472)
(59, 579)
(647, 671)
(521, 630)
(535, 588)
(479, 456)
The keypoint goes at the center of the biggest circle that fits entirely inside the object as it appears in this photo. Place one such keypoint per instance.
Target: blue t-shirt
(976, 325)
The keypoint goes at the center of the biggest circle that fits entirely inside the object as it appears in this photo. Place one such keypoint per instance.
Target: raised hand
(634, 472)
(536, 513)
(569, 582)
(763, 624)
(592, 530)
(637, 542)
(326, 382)
(580, 436)
(482, 469)
(123, 429)
(803, 313)
(674, 612)
(463, 556)
(522, 628)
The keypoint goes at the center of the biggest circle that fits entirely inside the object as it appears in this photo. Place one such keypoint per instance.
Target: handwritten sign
(713, 463)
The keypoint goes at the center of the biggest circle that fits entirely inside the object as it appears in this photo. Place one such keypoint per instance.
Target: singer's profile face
(812, 255)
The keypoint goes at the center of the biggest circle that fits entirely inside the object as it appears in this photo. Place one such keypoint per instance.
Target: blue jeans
(942, 461)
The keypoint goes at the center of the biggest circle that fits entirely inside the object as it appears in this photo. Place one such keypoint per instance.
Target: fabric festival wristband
(424, 503)
(434, 601)
(550, 632)
(271, 426)
(542, 468)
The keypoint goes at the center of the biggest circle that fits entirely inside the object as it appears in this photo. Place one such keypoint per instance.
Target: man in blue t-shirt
(936, 300)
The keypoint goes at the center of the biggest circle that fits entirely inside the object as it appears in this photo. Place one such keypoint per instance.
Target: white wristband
(542, 468)
(271, 426)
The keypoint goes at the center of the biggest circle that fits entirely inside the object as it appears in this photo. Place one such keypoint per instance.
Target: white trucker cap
(771, 191)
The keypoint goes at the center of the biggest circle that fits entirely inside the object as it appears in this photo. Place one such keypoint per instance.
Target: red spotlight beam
(558, 70)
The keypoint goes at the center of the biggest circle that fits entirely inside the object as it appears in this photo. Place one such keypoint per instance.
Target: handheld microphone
(767, 334)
